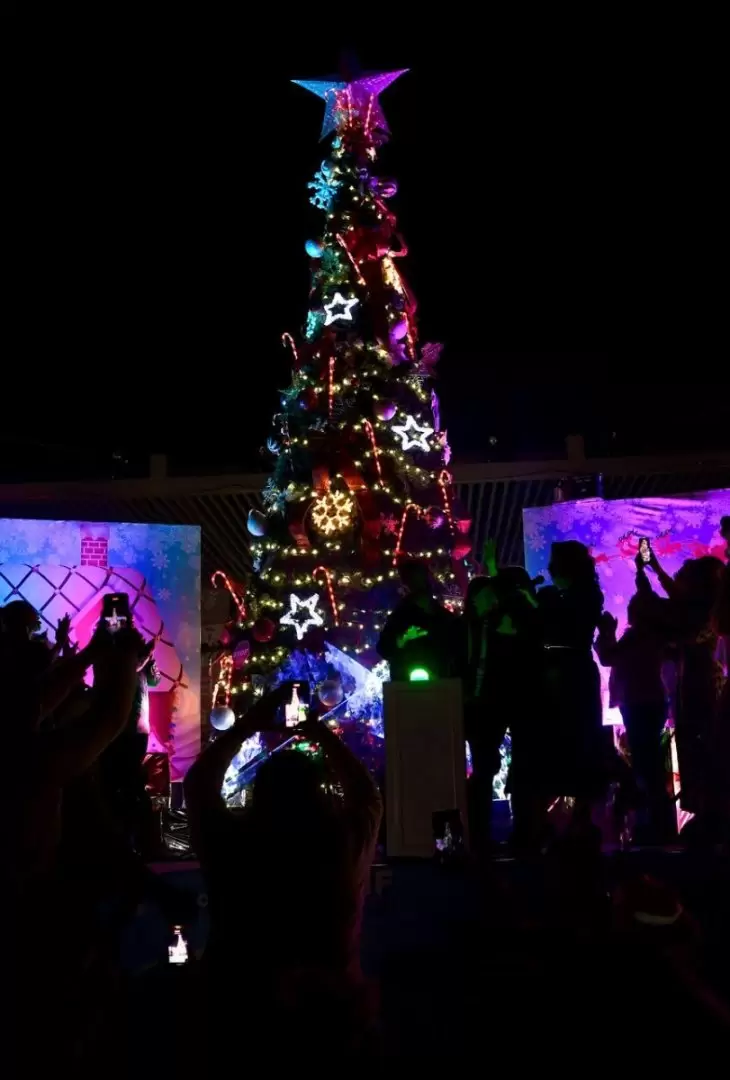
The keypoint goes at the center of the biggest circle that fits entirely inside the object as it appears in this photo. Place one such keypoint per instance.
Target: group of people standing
(526, 659)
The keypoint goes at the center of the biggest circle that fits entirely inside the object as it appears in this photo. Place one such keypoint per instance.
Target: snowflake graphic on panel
(389, 523)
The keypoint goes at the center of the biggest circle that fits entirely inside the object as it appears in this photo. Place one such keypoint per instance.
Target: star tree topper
(352, 96)
(413, 435)
(304, 610)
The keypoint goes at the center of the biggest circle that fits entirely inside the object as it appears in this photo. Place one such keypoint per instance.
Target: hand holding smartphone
(296, 709)
(115, 611)
(177, 953)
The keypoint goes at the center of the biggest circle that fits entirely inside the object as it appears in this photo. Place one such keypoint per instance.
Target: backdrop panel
(680, 528)
(68, 566)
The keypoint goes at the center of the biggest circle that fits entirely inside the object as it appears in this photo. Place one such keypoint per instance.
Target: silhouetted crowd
(526, 659)
(286, 876)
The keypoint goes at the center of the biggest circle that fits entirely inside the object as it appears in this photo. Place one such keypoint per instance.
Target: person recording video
(121, 771)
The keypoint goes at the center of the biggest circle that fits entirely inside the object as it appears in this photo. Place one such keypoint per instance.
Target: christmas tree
(360, 475)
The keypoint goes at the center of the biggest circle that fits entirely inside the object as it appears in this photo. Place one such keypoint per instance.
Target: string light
(328, 578)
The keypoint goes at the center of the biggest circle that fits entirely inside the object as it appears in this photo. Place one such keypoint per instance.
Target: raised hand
(63, 629)
(607, 623)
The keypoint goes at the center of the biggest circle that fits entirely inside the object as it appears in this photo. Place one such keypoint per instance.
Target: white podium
(425, 762)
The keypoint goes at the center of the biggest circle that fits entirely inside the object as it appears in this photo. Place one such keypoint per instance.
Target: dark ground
(494, 968)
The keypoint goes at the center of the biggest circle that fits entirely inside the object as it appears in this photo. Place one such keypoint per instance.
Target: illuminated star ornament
(302, 614)
(354, 99)
(412, 435)
(338, 301)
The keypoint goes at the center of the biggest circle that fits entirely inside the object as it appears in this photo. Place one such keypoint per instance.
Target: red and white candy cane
(445, 480)
(331, 386)
(410, 507)
(376, 452)
(328, 578)
(237, 600)
(287, 339)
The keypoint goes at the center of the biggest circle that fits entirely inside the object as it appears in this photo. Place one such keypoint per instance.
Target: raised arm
(204, 780)
(69, 751)
(361, 793)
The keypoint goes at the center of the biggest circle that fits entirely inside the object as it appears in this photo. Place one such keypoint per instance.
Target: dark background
(160, 206)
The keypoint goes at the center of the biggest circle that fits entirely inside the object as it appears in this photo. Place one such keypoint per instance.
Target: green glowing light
(419, 674)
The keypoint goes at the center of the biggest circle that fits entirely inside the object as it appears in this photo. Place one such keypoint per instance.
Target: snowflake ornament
(302, 614)
(332, 513)
(338, 301)
(413, 435)
(323, 187)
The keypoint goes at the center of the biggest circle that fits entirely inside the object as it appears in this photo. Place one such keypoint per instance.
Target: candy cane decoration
(444, 481)
(417, 510)
(355, 267)
(287, 339)
(328, 578)
(331, 386)
(376, 452)
(224, 680)
(237, 600)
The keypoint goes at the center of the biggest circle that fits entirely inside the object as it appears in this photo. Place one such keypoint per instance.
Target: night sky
(165, 226)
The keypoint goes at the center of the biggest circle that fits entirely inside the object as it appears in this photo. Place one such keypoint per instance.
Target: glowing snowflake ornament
(338, 301)
(413, 435)
(332, 513)
(302, 614)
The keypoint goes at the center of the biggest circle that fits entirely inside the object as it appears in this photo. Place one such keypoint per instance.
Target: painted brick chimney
(94, 544)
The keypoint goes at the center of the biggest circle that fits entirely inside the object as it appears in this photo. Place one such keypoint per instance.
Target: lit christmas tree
(360, 478)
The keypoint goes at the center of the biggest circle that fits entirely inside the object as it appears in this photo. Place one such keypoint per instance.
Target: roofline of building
(159, 484)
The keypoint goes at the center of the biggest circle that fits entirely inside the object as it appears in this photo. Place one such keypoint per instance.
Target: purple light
(685, 527)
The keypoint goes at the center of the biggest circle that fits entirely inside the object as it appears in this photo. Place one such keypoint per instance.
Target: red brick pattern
(94, 551)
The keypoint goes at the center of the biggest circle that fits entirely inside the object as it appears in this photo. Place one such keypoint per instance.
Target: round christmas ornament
(222, 717)
(385, 410)
(264, 629)
(314, 249)
(241, 654)
(256, 523)
(330, 693)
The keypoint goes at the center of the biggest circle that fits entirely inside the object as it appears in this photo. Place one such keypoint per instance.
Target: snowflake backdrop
(67, 566)
(684, 527)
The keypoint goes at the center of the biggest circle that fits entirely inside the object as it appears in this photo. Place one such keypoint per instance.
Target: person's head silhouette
(20, 620)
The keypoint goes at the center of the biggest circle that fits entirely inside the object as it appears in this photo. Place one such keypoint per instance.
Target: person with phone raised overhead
(286, 877)
(121, 766)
